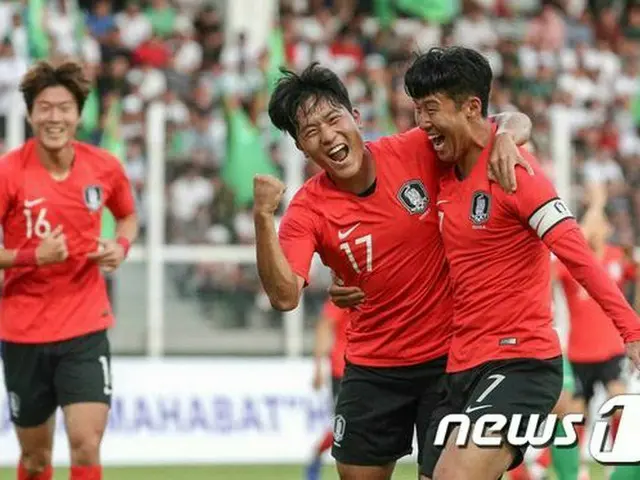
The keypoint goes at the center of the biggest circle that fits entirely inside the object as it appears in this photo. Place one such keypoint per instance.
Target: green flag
(36, 29)
(441, 11)
(90, 118)
(277, 57)
(384, 11)
(246, 156)
(112, 142)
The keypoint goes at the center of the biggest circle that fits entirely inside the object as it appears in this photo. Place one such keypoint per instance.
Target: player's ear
(473, 107)
(357, 117)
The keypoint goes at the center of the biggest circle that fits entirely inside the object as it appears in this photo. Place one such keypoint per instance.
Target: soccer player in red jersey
(505, 356)
(54, 311)
(371, 217)
(330, 340)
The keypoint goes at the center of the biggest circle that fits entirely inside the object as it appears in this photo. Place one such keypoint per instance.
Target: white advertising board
(186, 411)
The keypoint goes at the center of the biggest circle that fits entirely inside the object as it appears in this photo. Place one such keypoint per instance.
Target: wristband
(124, 243)
(25, 257)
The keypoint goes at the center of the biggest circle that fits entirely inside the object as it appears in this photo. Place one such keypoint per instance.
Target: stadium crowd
(581, 54)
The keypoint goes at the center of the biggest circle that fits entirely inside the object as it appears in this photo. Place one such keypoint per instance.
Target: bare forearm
(517, 124)
(7, 258)
(127, 227)
(278, 279)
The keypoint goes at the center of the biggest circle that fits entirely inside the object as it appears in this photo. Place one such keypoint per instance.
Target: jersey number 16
(40, 227)
(368, 242)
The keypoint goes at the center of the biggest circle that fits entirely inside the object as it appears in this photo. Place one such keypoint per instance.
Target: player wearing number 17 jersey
(54, 311)
(371, 217)
(505, 355)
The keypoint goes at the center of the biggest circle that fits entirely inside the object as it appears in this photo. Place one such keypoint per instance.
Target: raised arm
(282, 285)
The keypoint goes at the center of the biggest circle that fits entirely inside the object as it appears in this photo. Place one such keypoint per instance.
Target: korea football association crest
(480, 208)
(93, 197)
(414, 197)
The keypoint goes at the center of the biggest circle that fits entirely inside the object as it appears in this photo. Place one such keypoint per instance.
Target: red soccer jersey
(339, 317)
(500, 267)
(388, 244)
(69, 299)
(593, 337)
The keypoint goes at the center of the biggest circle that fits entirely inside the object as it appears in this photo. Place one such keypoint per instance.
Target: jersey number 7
(368, 242)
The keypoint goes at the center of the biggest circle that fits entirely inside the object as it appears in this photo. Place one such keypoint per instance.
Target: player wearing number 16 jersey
(54, 311)
(505, 355)
(372, 219)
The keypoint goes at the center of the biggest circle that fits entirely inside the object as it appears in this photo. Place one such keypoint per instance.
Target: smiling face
(329, 135)
(447, 124)
(54, 117)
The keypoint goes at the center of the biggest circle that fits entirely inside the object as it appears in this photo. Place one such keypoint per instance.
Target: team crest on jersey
(93, 197)
(480, 208)
(414, 197)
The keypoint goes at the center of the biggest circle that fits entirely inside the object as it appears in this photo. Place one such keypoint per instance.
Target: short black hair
(294, 90)
(457, 72)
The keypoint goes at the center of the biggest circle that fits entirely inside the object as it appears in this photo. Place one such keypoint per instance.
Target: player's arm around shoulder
(536, 201)
(283, 260)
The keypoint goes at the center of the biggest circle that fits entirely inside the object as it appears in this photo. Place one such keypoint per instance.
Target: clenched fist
(267, 192)
(52, 248)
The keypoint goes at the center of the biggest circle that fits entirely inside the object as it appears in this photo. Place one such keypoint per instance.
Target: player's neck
(480, 135)
(364, 178)
(57, 163)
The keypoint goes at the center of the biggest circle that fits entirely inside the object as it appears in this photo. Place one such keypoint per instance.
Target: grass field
(253, 472)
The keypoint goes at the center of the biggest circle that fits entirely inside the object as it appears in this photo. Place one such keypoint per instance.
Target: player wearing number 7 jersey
(505, 355)
(54, 310)
(371, 217)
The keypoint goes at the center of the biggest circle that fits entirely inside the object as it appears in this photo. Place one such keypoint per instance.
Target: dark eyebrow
(66, 102)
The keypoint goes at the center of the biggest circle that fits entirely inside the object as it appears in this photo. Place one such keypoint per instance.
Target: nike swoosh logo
(346, 233)
(479, 407)
(440, 202)
(33, 203)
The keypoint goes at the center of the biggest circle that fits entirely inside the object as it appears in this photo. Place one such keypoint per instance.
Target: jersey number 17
(364, 240)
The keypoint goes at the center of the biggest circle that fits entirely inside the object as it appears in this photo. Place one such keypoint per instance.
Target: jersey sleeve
(298, 238)
(7, 191)
(572, 249)
(537, 204)
(120, 201)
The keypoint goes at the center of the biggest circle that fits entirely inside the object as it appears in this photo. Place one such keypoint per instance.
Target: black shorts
(525, 386)
(379, 408)
(588, 374)
(41, 377)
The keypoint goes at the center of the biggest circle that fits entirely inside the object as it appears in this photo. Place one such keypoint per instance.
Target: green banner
(36, 32)
(246, 156)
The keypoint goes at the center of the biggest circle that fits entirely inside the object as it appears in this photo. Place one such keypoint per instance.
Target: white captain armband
(548, 215)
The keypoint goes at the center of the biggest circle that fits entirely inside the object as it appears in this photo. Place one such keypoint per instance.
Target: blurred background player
(330, 340)
(54, 312)
(595, 349)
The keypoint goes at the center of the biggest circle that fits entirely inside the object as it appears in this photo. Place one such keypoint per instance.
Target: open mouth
(54, 131)
(339, 153)
(437, 141)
